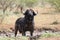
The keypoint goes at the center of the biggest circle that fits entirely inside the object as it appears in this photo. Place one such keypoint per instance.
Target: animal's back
(20, 22)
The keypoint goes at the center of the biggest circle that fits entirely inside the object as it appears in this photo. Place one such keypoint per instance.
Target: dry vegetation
(52, 38)
(41, 19)
(46, 18)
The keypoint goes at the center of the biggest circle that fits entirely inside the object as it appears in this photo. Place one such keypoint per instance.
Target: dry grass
(41, 20)
(51, 38)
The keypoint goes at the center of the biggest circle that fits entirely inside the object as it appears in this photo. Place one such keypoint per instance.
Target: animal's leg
(20, 31)
(16, 29)
(23, 33)
(31, 33)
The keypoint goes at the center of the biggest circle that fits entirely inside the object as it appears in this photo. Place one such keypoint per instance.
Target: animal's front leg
(31, 30)
(31, 33)
(23, 33)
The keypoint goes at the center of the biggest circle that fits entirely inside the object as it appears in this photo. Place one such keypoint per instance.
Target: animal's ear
(34, 13)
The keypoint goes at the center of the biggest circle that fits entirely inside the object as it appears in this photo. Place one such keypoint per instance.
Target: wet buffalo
(26, 23)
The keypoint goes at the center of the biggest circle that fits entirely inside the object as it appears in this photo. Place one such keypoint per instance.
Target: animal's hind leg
(16, 30)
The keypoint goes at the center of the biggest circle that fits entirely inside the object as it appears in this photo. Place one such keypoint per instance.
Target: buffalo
(25, 23)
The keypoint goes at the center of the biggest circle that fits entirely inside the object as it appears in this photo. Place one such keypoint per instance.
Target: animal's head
(29, 14)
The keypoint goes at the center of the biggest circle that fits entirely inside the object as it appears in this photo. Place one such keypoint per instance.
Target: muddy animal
(25, 23)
